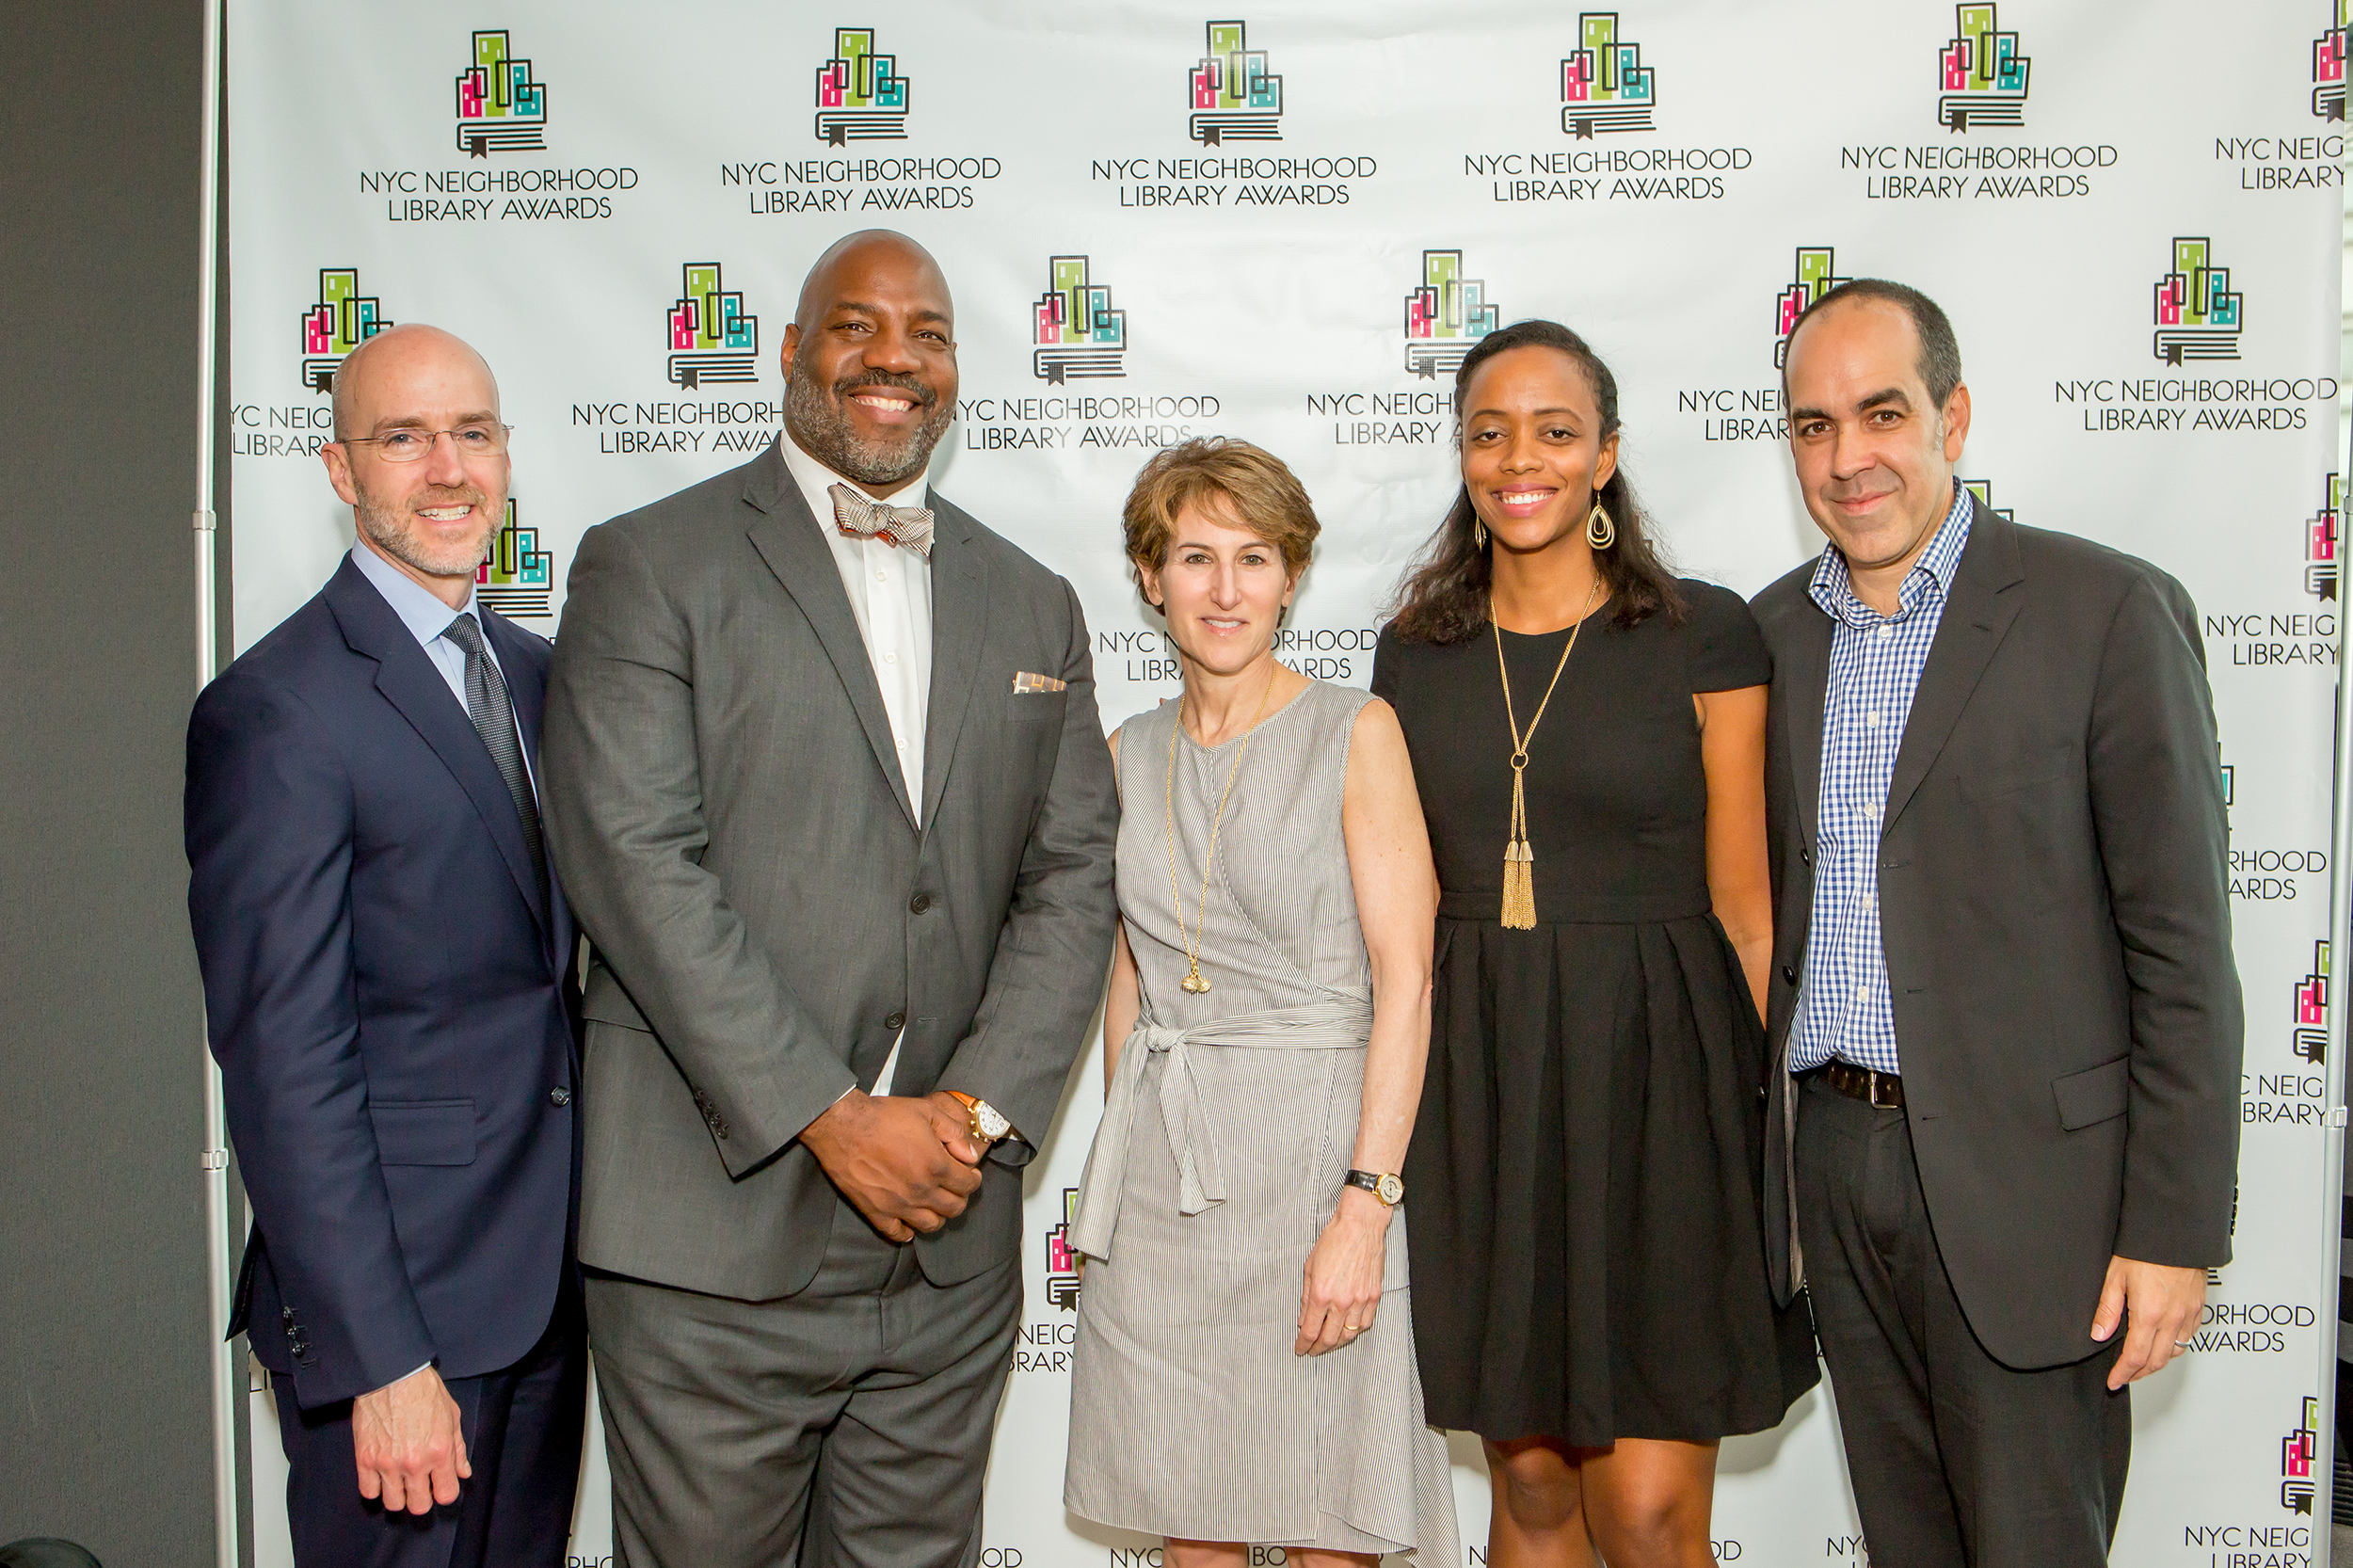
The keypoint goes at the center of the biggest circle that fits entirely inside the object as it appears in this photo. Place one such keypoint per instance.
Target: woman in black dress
(1587, 1259)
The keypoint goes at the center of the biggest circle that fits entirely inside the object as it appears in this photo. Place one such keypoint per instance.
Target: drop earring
(1479, 533)
(1600, 532)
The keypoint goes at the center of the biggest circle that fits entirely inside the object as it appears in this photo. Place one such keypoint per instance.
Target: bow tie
(864, 518)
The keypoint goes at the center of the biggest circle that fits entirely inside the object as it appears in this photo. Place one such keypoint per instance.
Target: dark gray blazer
(2054, 908)
(724, 803)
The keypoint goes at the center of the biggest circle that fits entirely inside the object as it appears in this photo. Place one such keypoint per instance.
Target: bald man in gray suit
(826, 784)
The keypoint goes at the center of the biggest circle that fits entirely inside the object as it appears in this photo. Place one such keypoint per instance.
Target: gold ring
(1352, 1328)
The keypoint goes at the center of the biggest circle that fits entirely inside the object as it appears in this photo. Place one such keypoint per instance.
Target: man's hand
(954, 1119)
(2162, 1306)
(410, 1444)
(890, 1158)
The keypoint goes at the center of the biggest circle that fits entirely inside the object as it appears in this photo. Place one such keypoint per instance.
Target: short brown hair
(1251, 485)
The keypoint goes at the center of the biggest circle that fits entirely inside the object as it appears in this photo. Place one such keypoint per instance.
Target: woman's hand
(1343, 1286)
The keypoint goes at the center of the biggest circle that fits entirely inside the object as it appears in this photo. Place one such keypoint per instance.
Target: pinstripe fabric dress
(1231, 1121)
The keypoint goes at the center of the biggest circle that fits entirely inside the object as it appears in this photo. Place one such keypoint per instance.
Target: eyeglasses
(407, 446)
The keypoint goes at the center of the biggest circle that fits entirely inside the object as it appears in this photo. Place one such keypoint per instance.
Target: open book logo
(861, 94)
(712, 338)
(500, 109)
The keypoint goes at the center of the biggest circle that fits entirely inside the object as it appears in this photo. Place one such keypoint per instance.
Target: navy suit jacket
(388, 989)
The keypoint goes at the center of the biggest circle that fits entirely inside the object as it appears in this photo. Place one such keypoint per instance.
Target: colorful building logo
(1983, 73)
(1234, 97)
(2329, 62)
(500, 109)
(2298, 1453)
(861, 94)
(342, 319)
(2311, 1009)
(710, 337)
(1605, 86)
(1445, 315)
(518, 578)
(1817, 274)
(2199, 315)
(1983, 490)
(2320, 543)
(1062, 1264)
(1079, 336)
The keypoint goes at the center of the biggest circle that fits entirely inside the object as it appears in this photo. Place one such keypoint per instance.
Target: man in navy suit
(388, 977)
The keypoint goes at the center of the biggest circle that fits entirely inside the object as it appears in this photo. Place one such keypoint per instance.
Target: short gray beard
(824, 431)
(390, 530)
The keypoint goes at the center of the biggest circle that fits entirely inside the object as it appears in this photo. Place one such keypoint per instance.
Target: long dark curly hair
(1444, 597)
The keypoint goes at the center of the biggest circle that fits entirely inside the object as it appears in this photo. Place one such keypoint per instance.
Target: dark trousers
(854, 1418)
(524, 1426)
(1956, 1459)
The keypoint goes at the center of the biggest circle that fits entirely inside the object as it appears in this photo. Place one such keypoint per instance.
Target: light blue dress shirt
(427, 620)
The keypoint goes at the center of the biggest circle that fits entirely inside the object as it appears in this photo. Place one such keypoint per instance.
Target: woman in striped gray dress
(1244, 1370)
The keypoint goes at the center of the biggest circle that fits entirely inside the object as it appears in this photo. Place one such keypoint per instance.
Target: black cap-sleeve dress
(1588, 1258)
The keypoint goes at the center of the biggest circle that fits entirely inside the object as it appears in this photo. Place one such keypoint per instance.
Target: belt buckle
(1878, 1104)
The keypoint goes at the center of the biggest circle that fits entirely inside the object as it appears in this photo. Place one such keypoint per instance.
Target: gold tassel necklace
(1520, 861)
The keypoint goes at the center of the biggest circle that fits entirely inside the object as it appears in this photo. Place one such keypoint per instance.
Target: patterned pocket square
(1025, 684)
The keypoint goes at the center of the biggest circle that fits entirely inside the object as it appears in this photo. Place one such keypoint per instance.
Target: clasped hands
(906, 1162)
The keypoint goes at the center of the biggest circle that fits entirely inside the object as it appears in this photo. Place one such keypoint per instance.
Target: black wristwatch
(1385, 1185)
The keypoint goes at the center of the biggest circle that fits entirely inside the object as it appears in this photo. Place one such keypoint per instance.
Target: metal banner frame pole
(214, 1158)
(2333, 1133)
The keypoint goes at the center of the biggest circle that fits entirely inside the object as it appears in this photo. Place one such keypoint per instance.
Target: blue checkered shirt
(1844, 1009)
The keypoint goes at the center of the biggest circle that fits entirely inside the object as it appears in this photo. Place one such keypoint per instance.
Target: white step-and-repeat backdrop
(1286, 223)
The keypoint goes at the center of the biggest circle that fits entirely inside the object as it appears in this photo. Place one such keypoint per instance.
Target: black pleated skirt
(1587, 1257)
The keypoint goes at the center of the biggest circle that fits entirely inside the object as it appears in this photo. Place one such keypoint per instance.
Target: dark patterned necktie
(862, 517)
(493, 719)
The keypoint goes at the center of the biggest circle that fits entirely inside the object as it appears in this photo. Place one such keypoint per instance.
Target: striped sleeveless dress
(1231, 1120)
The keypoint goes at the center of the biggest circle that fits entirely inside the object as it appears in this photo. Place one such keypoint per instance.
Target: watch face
(1392, 1190)
(990, 1121)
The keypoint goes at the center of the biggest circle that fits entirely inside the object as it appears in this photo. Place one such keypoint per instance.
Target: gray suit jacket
(724, 804)
(2055, 909)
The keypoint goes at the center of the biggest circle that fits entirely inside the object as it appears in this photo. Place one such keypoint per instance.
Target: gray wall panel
(105, 1418)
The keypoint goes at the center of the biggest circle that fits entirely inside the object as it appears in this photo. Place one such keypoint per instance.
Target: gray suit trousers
(853, 1416)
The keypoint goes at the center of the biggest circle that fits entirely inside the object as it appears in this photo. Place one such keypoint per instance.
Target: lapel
(1984, 600)
(959, 626)
(411, 684)
(1802, 663)
(787, 539)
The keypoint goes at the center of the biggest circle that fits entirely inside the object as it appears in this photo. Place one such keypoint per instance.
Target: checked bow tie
(863, 518)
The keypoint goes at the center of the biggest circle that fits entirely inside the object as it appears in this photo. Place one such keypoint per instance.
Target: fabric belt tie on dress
(1337, 1024)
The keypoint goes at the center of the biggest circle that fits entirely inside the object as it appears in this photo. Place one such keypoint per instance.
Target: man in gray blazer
(2005, 986)
(827, 788)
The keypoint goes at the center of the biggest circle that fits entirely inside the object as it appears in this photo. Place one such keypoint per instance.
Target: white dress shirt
(890, 594)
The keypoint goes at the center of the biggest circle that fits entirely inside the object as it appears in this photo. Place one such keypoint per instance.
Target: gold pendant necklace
(1520, 861)
(1194, 980)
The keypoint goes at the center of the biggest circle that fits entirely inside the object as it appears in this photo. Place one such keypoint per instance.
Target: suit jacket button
(285, 1316)
(559, 1096)
(1789, 973)
(920, 903)
(896, 1020)
(1806, 855)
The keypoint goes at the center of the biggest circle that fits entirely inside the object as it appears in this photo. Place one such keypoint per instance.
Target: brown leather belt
(1885, 1090)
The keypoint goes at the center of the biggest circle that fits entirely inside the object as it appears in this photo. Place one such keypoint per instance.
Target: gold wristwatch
(988, 1123)
(1385, 1185)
